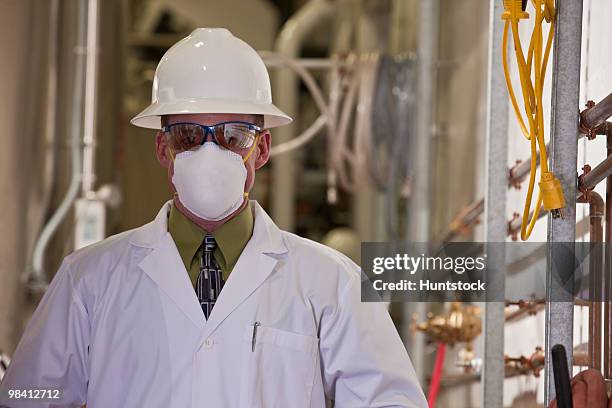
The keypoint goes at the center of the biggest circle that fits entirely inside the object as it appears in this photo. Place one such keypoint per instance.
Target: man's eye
(232, 141)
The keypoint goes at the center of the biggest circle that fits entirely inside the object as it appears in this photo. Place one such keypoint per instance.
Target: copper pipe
(514, 367)
(587, 182)
(596, 213)
(467, 217)
(525, 308)
(607, 296)
(581, 359)
(514, 224)
(599, 173)
(595, 115)
(517, 174)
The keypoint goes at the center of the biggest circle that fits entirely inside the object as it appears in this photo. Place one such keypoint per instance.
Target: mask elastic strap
(246, 193)
(252, 149)
(171, 155)
(169, 150)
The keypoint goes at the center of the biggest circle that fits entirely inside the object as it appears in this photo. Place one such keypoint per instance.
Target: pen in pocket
(255, 326)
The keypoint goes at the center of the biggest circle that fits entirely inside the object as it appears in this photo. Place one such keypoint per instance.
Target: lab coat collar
(149, 235)
(163, 264)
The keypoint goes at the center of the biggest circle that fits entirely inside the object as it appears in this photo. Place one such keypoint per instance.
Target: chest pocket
(280, 371)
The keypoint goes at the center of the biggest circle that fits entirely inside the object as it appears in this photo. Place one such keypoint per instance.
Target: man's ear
(263, 149)
(161, 150)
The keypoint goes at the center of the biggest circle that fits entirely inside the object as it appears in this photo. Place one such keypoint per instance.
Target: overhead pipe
(288, 44)
(272, 61)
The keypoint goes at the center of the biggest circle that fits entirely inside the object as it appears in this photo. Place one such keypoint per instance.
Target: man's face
(256, 160)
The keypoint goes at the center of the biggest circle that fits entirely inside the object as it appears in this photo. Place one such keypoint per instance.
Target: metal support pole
(495, 214)
(418, 208)
(563, 146)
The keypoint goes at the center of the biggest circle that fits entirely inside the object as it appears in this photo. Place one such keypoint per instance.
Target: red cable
(434, 387)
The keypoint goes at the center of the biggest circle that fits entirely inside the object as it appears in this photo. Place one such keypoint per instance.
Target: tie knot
(209, 244)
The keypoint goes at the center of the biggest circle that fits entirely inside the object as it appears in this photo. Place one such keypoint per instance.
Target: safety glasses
(233, 135)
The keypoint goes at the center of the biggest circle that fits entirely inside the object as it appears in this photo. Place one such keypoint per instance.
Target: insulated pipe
(272, 61)
(51, 106)
(37, 279)
(91, 80)
(288, 44)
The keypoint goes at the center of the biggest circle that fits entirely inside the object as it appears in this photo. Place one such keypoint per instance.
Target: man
(211, 305)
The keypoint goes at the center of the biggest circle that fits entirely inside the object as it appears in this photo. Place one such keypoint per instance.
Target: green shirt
(231, 239)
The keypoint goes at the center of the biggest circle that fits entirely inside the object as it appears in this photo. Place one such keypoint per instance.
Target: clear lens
(239, 135)
(185, 136)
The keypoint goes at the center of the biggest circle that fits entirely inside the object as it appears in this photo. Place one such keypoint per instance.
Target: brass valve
(525, 365)
(462, 324)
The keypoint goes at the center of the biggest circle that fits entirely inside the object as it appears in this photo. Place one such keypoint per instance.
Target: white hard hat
(211, 71)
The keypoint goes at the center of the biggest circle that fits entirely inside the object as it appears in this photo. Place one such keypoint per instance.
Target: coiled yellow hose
(550, 192)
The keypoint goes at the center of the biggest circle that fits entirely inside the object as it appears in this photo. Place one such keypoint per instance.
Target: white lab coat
(120, 326)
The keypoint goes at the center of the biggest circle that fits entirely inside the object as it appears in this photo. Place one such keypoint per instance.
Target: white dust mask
(210, 181)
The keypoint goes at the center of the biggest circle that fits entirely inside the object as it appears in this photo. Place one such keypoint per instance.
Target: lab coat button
(208, 343)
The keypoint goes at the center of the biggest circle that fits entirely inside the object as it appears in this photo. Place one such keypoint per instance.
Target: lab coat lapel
(165, 267)
(255, 264)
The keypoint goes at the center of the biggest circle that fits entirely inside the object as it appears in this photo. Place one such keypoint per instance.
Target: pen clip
(255, 326)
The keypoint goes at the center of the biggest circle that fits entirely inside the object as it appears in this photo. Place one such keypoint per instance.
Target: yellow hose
(532, 93)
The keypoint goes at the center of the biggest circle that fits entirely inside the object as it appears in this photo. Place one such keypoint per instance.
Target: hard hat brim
(151, 117)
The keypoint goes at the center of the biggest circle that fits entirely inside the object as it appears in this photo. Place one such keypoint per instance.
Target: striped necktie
(210, 280)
